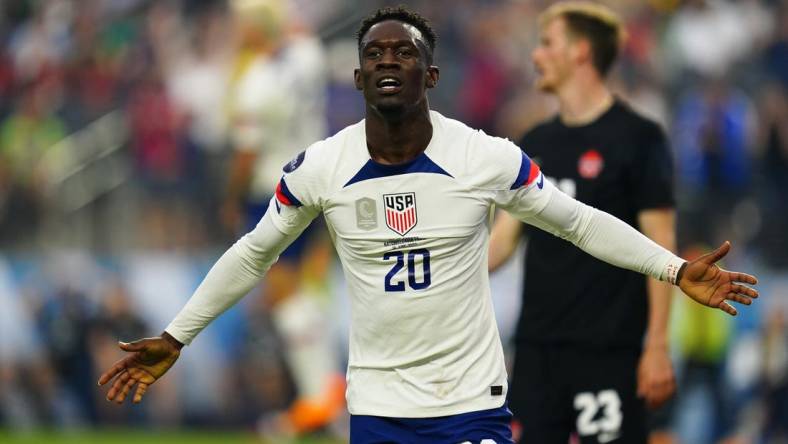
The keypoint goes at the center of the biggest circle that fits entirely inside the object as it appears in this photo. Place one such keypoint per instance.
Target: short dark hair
(402, 14)
(598, 24)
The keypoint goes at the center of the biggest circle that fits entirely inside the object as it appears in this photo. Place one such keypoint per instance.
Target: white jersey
(413, 240)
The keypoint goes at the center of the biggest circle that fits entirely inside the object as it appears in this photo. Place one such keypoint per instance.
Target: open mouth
(389, 84)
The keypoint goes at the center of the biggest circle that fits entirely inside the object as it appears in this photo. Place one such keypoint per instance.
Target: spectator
(772, 163)
(713, 129)
(25, 136)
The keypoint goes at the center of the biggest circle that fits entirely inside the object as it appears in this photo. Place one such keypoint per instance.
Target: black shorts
(557, 391)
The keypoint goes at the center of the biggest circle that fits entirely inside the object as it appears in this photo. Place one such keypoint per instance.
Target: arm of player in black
(504, 237)
(656, 377)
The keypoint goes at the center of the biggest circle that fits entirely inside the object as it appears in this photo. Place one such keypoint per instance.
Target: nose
(535, 54)
(388, 60)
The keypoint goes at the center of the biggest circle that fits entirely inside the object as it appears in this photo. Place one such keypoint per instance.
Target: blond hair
(597, 23)
(268, 15)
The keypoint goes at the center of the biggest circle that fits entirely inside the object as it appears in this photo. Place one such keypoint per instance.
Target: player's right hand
(149, 360)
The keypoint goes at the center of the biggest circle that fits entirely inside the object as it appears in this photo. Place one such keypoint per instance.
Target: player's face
(394, 74)
(553, 56)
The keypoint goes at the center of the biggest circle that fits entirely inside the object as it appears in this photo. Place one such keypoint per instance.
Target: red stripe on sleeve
(532, 174)
(280, 196)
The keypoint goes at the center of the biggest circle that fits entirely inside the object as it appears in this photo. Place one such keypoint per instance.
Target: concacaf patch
(295, 163)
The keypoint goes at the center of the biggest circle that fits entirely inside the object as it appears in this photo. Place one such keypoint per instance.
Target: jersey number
(589, 404)
(414, 256)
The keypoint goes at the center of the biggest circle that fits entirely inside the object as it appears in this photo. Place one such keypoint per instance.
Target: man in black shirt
(582, 363)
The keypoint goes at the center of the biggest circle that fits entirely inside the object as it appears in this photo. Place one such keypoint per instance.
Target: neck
(394, 138)
(583, 99)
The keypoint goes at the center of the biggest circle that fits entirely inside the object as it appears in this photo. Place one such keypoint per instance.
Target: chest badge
(366, 214)
(400, 212)
(591, 163)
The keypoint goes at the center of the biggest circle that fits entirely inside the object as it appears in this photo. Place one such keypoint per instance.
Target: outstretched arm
(233, 275)
(613, 241)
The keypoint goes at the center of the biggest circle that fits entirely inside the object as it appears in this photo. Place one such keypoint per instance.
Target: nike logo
(540, 184)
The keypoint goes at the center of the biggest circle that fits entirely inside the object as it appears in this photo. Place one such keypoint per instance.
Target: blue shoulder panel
(525, 170)
(374, 170)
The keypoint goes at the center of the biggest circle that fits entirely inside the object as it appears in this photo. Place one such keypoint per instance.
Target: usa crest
(400, 212)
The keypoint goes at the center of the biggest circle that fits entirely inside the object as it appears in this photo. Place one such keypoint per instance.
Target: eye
(372, 53)
(405, 52)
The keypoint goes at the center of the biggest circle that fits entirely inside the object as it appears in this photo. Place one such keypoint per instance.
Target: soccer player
(406, 195)
(277, 109)
(578, 311)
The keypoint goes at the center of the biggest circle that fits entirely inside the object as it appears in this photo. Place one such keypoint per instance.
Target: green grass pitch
(124, 436)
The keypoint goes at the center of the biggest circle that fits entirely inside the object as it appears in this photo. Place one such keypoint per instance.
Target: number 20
(399, 256)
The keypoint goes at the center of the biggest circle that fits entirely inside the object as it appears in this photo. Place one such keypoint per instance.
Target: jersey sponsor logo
(400, 212)
(590, 164)
(540, 182)
(366, 214)
(295, 163)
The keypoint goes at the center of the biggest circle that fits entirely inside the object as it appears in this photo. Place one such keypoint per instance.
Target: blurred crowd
(125, 125)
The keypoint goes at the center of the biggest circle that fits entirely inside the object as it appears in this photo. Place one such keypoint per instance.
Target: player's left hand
(712, 286)
(656, 380)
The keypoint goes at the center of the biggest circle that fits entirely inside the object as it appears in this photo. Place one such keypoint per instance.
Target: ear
(433, 74)
(582, 51)
(357, 79)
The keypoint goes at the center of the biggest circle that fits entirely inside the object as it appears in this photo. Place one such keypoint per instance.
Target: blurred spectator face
(553, 57)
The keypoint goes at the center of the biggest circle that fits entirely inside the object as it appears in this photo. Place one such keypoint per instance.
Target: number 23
(589, 404)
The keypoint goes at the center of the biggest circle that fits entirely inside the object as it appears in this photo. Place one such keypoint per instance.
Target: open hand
(712, 286)
(150, 359)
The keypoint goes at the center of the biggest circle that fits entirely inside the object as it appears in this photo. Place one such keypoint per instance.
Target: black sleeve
(652, 172)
